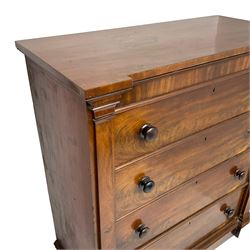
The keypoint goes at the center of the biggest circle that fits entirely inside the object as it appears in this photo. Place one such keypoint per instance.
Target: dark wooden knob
(229, 212)
(148, 132)
(146, 184)
(141, 230)
(239, 174)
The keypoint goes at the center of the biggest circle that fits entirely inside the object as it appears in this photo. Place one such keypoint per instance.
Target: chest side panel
(62, 125)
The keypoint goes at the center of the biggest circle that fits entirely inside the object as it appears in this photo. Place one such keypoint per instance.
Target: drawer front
(177, 116)
(177, 205)
(162, 84)
(199, 225)
(184, 160)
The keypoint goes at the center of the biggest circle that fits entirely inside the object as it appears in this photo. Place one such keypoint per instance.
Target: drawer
(166, 83)
(182, 161)
(177, 115)
(199, 225)
(177, 205)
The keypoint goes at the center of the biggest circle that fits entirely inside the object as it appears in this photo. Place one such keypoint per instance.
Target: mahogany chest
(145, 133)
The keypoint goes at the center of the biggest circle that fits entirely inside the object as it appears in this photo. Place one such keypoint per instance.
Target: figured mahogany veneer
(166, 83)
(175, 206)
(177, 117)
(193, 228)
(182, 161)
(144, 133)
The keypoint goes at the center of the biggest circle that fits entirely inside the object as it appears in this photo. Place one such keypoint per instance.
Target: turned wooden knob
(141, 230)
(148, 132)
(229, 212)
(146, 184)
(239, 174)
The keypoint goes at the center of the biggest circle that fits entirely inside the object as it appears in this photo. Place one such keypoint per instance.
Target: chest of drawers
(145, 133)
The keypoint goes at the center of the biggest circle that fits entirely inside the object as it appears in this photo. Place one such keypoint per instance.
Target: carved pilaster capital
(104, 111)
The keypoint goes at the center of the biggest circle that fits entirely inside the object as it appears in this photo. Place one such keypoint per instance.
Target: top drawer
(178, 115)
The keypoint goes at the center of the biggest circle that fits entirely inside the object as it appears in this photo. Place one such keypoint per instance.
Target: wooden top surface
(101, 62)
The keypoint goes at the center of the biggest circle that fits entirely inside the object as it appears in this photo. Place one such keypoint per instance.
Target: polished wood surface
(105, 184)
(144, 130)
(176, 116)
(166, 83)
(174, 207)
(212, 240)
(97, 63)
(182, 162)
(192, 229)
(66, 166)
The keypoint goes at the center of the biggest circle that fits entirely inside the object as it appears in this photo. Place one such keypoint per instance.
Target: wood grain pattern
(66, 158)
(172, 208)
(178, 116)
(192, 229)
(183, 161)
(163, 84)
(93, 91)
(217, 238)
(104, 147)
(97, 63)
(94, 175)
(210, 240)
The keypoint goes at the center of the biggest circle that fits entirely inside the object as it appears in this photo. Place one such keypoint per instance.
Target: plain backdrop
(25, 214)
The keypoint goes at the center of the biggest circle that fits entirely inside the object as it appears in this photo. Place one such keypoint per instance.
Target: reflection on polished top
(101, 62)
